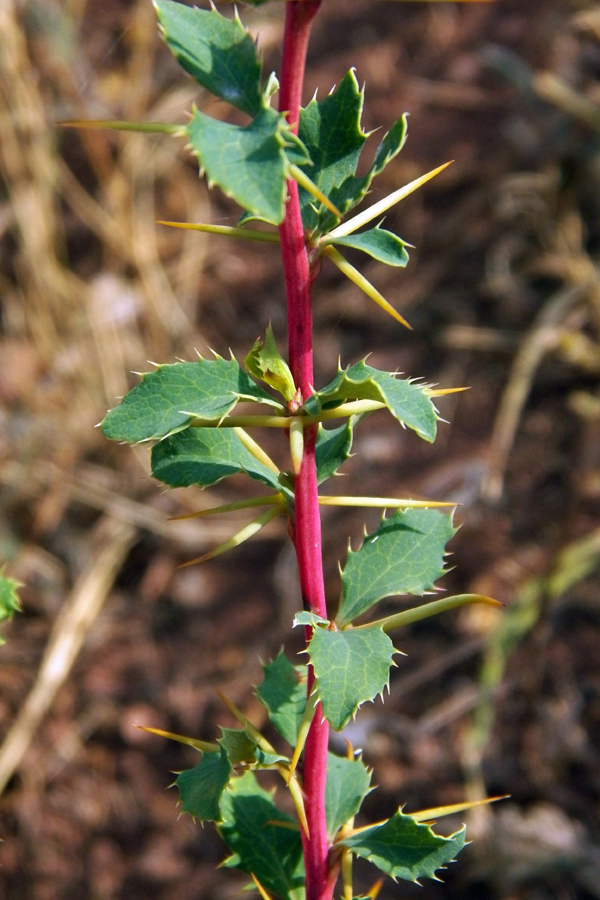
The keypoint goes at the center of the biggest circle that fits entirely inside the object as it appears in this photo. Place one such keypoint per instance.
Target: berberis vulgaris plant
(295, 169)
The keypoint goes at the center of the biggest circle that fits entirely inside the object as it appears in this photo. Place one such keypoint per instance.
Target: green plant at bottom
(296, 170)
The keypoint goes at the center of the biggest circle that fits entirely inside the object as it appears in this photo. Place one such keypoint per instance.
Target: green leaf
(265, 362)
(391, 145)
(348, 782)
(271, 852)
(166, 401)
(201, 788)
(405, 849)
(350, 667)
(217, 52)
(248, 163)
(354, 188)
(9, 599)
(331, 132)
(333, 447)
(283, 693)
(408, 402)
(382, 245)
(405, 555)
(204, 456)
(240, 748)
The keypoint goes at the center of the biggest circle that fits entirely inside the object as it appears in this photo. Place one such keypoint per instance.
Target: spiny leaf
(333, 447)
(259, 846)
(349, 670)
(9, 599)
(201, 788)
(167, 400)
(266, 363)
(405, 849)
(405, 555)
(217, 52)
(382, 245)
(240, 748)
(354, 188)
(248, 163)
(283, 693)
(348, 782)
(407, 402)
(331, 132)
(204, 456)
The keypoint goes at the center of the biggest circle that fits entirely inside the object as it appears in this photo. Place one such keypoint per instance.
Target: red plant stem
(307, 524)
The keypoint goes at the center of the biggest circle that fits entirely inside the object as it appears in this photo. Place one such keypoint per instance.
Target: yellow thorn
(382, 502)
(382, 205)
(261, 889)
(441, 392)
(227, 230)
(201, 746)
(425, 815)
(252, 731)
(229, 507)
(238, 538)
(255, 449)
(308, 185)
(360, 281)
(296, 443)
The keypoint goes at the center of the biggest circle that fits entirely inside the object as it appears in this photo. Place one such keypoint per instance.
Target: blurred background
(503, 291)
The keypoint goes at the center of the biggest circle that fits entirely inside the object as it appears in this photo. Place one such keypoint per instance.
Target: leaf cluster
(263, 840)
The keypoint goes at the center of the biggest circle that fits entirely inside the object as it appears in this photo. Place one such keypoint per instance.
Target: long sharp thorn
(248, 234)
(260, 888)
(255, 449)
(382, 502)
(144, 127)
(229, 507)
(307, 718)
(360, 281)
(201, 746)
(346, 869)
(382, 205)
(298, 798)
(238, 538)
(426, 815)
(430, 609)
(374, 890)
(441, 392)
(308, 185)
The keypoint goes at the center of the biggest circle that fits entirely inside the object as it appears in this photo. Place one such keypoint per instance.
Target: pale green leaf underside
(272, 853)
(283, 693)
(240, 748)
(408, 402)
(332, 448)
(405, 849)
(201, 788)
(217, 52)
(166, 401)
(248, 163)
(405, 555)
(382, 245)
(348, 781)
(308, 618)
(204, 456)
(351, 667)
